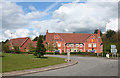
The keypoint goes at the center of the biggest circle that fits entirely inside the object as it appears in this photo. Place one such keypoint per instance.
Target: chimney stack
(98, 33)
(46, 31)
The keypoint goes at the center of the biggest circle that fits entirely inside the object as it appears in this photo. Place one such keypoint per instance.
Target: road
(87, 66)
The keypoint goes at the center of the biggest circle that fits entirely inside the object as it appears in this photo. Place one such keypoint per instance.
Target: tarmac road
(87, 66)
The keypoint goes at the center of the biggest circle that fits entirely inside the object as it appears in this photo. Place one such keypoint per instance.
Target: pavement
(87, 66)
(48, 68)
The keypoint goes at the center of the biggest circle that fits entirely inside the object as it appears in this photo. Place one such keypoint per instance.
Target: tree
(43, 37)
(16, 49)
(5, 48)
(40, 49)
(31, 47)
(96, 32)
(110, 33)
(51, 47)
(35, 39)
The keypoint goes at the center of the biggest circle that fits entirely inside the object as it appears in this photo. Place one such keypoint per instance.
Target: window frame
(81, 45)
(89, 45)
(72, 45)
(77, 45)
(59, 45)
(93, 44)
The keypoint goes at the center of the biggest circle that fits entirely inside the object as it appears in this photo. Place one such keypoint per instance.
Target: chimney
(98, 33)
(46, 31)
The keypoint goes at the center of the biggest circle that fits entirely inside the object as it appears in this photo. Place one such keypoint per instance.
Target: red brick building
(21, 42)
(75, 42)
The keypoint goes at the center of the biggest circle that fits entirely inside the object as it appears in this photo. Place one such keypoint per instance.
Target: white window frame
(77, 45)
(72, 46)
(81, 45)
(67, 45)
(89, 45)
(94, 45)
(59, 44)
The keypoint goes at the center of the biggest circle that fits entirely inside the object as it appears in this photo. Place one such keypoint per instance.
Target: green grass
(13, 62)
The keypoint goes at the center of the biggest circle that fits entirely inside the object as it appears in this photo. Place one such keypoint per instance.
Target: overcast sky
(24, 19)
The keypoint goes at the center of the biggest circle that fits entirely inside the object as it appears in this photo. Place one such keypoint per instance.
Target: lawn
(13, 62)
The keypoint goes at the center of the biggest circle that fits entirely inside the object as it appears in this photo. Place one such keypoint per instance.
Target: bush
(5, 48)
(49, 52)
(83, 53)
(30, 52)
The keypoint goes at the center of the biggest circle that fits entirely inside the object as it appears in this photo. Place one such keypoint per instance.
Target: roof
(71, 37)
(35, 43)
(18, 41)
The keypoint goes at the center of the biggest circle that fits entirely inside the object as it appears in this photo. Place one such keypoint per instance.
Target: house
(21, 42)
(75, 42)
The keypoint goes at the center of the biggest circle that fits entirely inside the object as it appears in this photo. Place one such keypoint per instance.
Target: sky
(23, 19)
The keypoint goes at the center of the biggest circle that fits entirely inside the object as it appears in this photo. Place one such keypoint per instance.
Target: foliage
(110, 38)
(110, 33)
(4, 42)
(35, 39)
(43, 36)
(5, 48)
(16, 49)
(31, 48)
(40, 49)
(96, 32)
(51, 46)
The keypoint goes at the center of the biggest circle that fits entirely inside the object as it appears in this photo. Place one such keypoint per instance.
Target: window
(89, 45)
(77, 45)
(68, 50)
(56, 37)
(67, 45)
(94, 45)
(59, 44)
(80, 45)
(92, 37)
(71, 45)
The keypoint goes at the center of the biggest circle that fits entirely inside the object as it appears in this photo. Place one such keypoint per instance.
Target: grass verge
(13, 62)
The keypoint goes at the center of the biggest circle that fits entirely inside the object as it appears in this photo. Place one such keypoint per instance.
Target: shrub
(5, 48)
(17, 50)
(30, 52)
(49, 53)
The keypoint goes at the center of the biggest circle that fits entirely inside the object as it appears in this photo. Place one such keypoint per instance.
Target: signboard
(113, 50)
(113, 46)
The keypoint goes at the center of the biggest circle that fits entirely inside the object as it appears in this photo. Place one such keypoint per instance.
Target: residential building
(21, 42)
(75, 42)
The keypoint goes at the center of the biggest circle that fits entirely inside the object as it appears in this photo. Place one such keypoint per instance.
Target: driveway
(87, 66)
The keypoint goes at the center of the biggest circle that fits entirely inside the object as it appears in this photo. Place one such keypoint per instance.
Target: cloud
(112, 25)
(82, 17)
(69, 17)
(13, 16)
